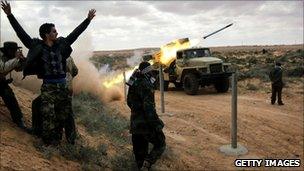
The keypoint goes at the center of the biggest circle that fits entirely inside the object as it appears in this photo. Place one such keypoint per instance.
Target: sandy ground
(195, 128)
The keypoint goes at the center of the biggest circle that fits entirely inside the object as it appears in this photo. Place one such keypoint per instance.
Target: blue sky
(136, 24)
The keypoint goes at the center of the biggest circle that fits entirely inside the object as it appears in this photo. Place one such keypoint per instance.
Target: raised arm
(23, 36)
(78, 30)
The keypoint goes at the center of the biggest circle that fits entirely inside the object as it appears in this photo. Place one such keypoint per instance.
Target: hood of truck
(201, 61)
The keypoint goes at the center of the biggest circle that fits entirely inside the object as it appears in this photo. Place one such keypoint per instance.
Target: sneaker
(281, 103)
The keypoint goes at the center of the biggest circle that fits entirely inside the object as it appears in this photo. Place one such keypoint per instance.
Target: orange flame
(165, 56)
(109, 82)
(168, 52)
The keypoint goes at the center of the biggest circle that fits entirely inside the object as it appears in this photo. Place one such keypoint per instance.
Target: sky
(138, 24)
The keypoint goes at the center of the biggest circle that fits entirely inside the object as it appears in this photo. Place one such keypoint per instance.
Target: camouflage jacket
(71, 72)
(275, 75)
(7, 65)
(140, 99)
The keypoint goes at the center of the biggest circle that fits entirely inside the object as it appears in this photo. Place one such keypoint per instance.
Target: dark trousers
(11, 103)
(141, 147)
(68, 124)
(276, 90)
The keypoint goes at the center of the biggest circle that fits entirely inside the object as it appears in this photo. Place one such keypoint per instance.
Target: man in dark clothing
(69, 123)
(275, 76)
(47, 59)
(10, 59)
(146, 127)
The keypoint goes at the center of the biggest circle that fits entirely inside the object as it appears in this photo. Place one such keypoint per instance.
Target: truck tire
(222, 85)
(191, 84)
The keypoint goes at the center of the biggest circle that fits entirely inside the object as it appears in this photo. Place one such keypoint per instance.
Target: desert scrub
(88, 157)
(97, 118)
(252, 87)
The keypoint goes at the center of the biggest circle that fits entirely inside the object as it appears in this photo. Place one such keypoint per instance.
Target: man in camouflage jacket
(46, 58)
(146, 127)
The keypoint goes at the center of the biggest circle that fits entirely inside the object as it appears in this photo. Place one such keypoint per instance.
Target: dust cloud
(89, 78)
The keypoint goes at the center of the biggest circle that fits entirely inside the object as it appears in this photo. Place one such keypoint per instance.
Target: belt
(54, 81)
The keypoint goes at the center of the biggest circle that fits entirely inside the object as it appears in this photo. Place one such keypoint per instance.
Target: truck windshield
(197, 53)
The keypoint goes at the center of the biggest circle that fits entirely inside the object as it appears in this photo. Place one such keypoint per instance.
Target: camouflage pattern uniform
(69, 122)
(146, 127)
(275, 76)
(7, 94)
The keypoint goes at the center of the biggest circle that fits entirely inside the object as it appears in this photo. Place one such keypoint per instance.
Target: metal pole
(125, 86)
(161, 88)
(234, 111)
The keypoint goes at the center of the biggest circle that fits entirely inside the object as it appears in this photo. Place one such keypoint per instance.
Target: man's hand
(6, 7)
(19, 55)
(91, 14)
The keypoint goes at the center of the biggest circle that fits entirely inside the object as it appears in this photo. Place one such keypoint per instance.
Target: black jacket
(35, 46)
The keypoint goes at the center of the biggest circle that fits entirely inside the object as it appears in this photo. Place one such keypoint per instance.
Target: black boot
(20, 124)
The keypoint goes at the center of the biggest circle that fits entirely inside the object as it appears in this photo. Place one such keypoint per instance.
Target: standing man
(10, 59)
(275, 76)
(69, 124)
(146, 127)
(47, 59)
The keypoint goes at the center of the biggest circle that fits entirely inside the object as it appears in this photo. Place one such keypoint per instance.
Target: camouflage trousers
(56, 113)
(141, 147)
(11, 102)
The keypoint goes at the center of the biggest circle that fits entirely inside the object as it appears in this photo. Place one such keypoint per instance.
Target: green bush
(98, 118)
(252, 87)
(88, 156)
(297, 71)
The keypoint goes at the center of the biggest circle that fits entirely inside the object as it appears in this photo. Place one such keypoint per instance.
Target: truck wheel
(191, 84)
(222, 85)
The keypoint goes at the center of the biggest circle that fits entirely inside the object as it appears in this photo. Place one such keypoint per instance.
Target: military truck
(194, 68)
(191, 68)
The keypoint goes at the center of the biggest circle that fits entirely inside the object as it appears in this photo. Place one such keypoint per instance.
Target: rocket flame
(109, 82)
(165, 56)
(168, 52)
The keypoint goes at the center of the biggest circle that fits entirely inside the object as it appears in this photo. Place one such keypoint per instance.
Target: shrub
(297, 71)
(252, 87)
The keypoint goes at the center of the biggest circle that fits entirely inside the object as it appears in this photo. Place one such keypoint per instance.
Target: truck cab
(194, 68)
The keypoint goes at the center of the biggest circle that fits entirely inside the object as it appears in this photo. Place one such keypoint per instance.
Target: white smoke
(89, 78)
(136, 58)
